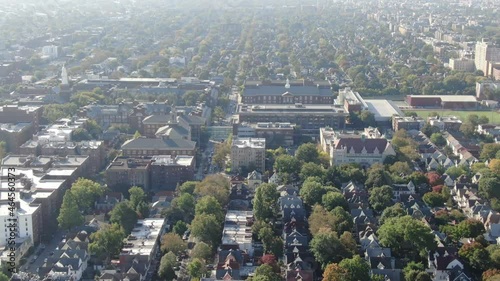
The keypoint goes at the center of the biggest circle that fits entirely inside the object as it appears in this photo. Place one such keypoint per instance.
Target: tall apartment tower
(486, 56)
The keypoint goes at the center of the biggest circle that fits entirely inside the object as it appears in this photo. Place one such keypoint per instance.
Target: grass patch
(493, 116)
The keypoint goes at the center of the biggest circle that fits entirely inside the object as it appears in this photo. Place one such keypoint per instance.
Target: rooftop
(249, 142)
(449, 98)
(383, 109)
(159, 144)
(143, 237)
(14, 128)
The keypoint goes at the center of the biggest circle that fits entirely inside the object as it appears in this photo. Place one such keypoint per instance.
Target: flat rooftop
(14, 128)
(249, 142)
(143, 237)
(296, 108)
(449, 98)
(383, 109)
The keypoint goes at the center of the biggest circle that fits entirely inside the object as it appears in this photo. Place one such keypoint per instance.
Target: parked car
(186, 235)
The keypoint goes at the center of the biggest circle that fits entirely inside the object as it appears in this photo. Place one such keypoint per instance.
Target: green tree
(312, 192)
(3, 277)
(332, 200)
(415, 271)
(196, 269)
(137, 196)
(69, 215)
(206, 228)
(381, 197)
(311, 170)
(470, 228)
(307, 152)
(86, 192)
(265, 202)
(489, 187)
(393, 211)
(182, 208)
(489, 151)
(434, 199)
(266, 272)
(456, 171)
(219, 113)
(123, 215)
(80, 134)
(368, 118)
(406, 235)
(179, 228)
(377, 176)
(202, 251)
(216, 186)
(357, 268)
(438, 139)
(210, 206)
(400, 168)
(172, 242)
(428, 129)
(93, 128)
(327, 248)
(475, 255)
(167, 264)
(187, 187)
(107, 241)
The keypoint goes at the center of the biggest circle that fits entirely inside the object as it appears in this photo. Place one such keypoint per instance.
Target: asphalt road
(33, 267)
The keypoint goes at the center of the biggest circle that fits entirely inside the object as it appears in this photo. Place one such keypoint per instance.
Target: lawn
(462, 114)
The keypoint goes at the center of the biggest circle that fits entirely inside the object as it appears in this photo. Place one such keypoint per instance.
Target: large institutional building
(487, 57)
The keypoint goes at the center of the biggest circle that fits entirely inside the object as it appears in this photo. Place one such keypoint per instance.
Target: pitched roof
(358, 144)
(159, 143)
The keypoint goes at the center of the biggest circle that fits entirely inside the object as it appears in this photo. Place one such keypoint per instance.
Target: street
(33, 267)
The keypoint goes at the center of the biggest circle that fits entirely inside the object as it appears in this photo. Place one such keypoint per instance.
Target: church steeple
(287, 85)
(64, 76)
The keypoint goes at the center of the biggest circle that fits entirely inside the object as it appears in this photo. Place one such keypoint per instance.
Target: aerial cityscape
(195, 140)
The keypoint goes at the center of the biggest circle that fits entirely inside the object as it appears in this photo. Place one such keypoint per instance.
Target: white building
(486, 56)
(50, 52)
(25, 215)
(246, 152)
(462, 64)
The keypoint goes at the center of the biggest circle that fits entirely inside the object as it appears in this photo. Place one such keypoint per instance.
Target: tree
(206, 228)
(209, 205)
(475, 255)
(333, 272)
(312, 192)
(266, 272)
(456, 171)
(179, 228)
(434, 199)
(182, 208)
(137, 196)
(438, 139)
(467, 129)
(434, 178)
(172, 242)
(202, 251)
(3, 277)
(86, 192)
(187, 187)
(125, 216)
(377, 176)
(332, 200)
(415, 271)
(393, 211)
(428, 129)
(357, 268)
(489, 151)
(69, 215)
(491, 275)
(381, 197)
(307, 152)
(216, 186)
(327, 248)
(495, 166)
(311, 170)
(470, 228)
(107, 241)
(368, 118)
(337, 220)
(137, 135)
(196, 269)
(167, 264)
(287, 164)
(93, 128)
(406, 234)
(489, 187)
(80, 134)
(400, 168)
(265, 202)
